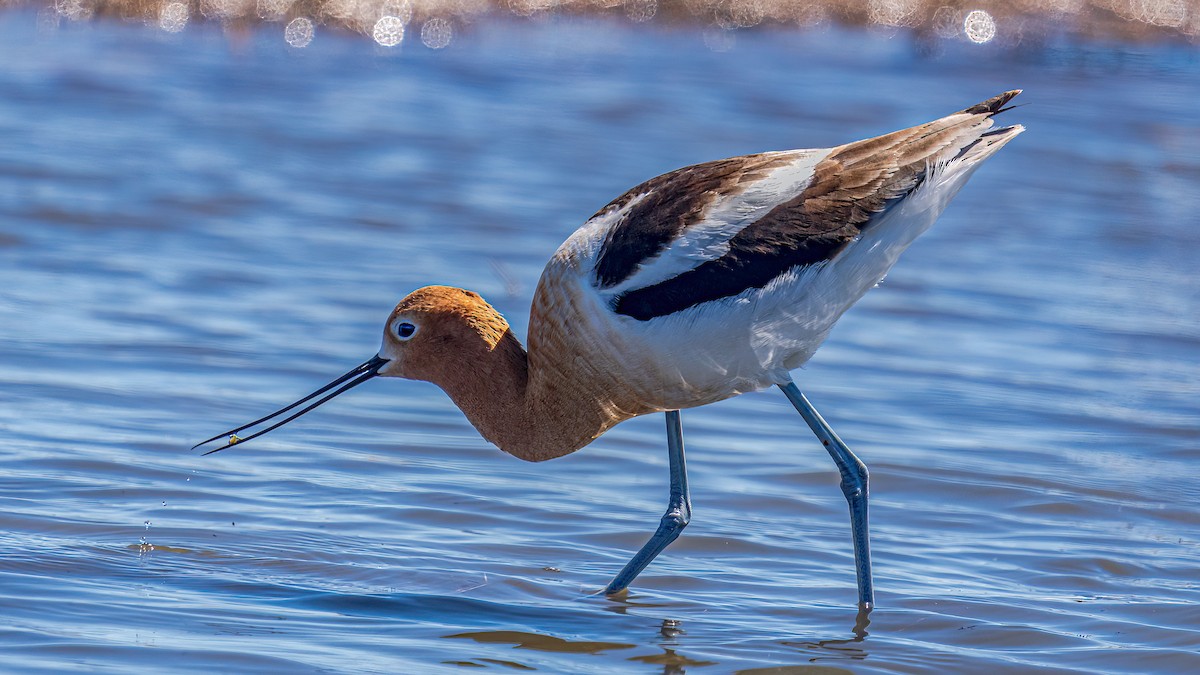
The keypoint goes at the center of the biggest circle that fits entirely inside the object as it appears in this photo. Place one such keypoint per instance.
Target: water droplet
(144, 545)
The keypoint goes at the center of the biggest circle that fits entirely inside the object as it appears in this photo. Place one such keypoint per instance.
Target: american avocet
(695, 286)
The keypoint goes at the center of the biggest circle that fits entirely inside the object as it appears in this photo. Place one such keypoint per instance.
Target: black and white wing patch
(714, 230)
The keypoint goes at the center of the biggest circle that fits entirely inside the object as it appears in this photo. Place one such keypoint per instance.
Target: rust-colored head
(441, 334)
(439, 328)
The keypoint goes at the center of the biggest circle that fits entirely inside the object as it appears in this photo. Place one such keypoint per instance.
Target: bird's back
(719, 278)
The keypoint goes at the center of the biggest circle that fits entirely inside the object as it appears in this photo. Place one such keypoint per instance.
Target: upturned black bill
(355, 377)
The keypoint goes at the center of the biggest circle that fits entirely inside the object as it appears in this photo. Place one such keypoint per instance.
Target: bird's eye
(405, 330)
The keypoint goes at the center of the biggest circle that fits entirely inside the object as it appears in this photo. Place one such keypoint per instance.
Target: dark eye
(405, 330)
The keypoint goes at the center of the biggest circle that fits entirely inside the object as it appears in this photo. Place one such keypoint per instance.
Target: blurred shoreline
(436, 22)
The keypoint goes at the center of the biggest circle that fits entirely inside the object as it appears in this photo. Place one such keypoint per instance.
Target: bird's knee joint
(854, 480)
(675, 520)
(854, 489)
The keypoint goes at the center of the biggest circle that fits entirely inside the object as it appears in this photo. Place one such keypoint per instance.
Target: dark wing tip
(993, 105)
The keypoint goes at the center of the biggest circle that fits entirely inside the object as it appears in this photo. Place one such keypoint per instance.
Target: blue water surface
(196, 229)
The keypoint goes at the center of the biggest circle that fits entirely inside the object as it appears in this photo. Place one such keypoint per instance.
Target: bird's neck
(532, 405)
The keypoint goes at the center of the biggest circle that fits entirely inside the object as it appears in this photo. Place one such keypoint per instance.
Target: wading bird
(695, 286)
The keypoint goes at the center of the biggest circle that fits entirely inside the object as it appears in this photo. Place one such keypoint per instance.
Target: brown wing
(670, 204)
(850, 188)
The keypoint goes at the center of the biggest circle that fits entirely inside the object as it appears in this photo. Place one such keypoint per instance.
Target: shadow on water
(515, 628)
(537, 642)
(671, 640)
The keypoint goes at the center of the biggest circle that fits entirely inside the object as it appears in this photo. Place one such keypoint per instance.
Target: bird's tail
(994, 105)
(992, 139)
(963, 141)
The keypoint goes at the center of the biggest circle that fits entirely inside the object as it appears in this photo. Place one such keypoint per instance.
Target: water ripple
(196, 233)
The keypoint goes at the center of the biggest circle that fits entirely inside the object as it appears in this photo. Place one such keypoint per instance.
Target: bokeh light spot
(299, 32)
(173, 17)
(272, 10)
(947, 22)
(979, 26)
(641, 10)
(388, 31)
(436, 33)
(401, 9)
(896, 13)
(1166, 13)
(75, 10)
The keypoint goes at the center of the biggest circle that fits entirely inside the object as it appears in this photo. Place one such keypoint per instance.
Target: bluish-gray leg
(679, 510)
(854, 486)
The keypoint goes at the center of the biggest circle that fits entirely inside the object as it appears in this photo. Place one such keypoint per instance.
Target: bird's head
(440, 334)
(439, 329)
